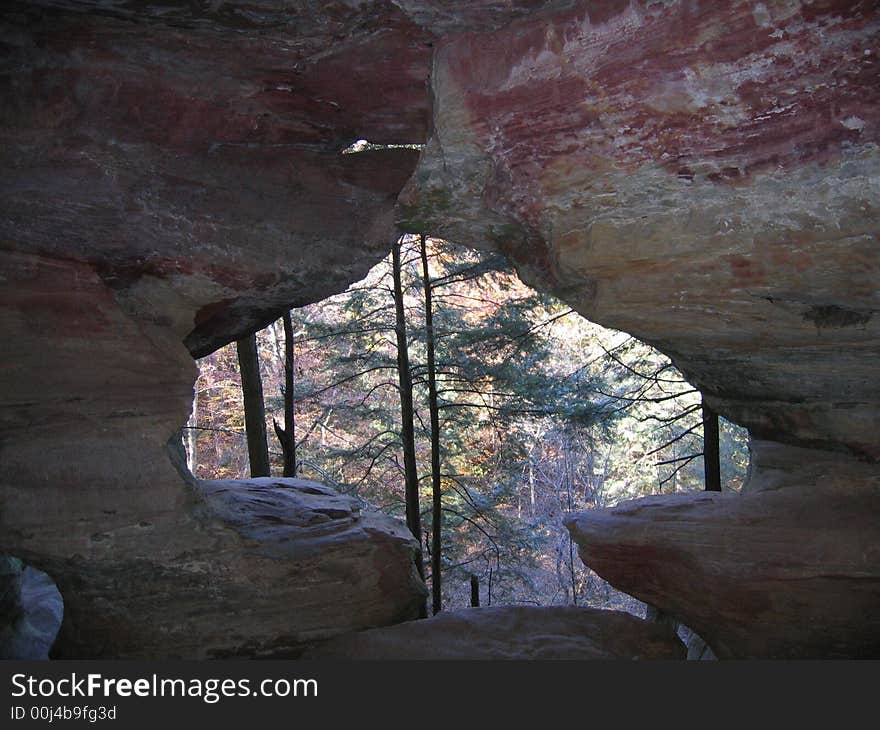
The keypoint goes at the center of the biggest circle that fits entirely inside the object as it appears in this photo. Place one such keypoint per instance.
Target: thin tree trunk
(437, 502)
(287, 435)
(569, 467)
(711, 450)
(192, 456)
(531, 487)
(407, 429)
(254, 410)
(475, 592)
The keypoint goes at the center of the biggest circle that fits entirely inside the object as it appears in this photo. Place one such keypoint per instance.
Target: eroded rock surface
(512, 632)
(191, 156)
(263, 566)
(704, 176)
(173, 174)
(786, 573)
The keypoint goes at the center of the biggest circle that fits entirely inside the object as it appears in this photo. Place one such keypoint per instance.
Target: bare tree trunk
(407, 429)
(711, 450)
(531, 487)
(569, 482)
(287, 435)
(475, 591)
(254, 410)
(192, 456)
(436, 495)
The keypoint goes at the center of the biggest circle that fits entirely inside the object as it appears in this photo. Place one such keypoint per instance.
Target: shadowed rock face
(258, 567)
(703, 175)
(512, 633)
(173, 178)
(193, 160)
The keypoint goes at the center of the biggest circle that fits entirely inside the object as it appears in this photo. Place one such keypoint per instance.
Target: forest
(442, 390)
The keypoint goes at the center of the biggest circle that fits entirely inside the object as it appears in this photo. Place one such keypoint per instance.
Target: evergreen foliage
(539, 413)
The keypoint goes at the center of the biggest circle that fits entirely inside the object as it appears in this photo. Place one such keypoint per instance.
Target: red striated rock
(193, 157)
(147, 566)
(703, 177)
(173, 173)
(790, 573)
(511, 633)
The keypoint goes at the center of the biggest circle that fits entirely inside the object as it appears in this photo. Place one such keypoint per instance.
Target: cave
(704, 176)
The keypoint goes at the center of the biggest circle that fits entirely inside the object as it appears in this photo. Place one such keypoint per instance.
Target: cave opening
(31, 610)
(543, 414)
(176, 179)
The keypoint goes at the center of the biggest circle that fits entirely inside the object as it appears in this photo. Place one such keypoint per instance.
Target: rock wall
(173, 179)
(706, 178)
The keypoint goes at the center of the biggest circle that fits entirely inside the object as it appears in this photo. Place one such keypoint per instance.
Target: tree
(287, 435)
(407, 429)
(436, 486)
(254, 409)
(711, 449)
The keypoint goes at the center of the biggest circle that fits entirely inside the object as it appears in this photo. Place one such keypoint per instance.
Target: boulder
(259, 567)
(787, 573)
(511, 632)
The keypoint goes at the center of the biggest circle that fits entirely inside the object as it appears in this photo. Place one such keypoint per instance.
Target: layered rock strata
(787, 573)
(703, 176)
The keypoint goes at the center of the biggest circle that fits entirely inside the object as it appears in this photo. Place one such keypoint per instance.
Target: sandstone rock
(255, 567)
(703, 176)
(313, 565)
(511, 632)
(191, 156)
(790, 573)
(174, 174)
(775, 466)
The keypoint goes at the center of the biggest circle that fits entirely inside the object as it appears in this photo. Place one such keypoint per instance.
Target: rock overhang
(706, 179)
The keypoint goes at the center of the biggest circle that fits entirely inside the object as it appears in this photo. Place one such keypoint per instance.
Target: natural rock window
(31, 610)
